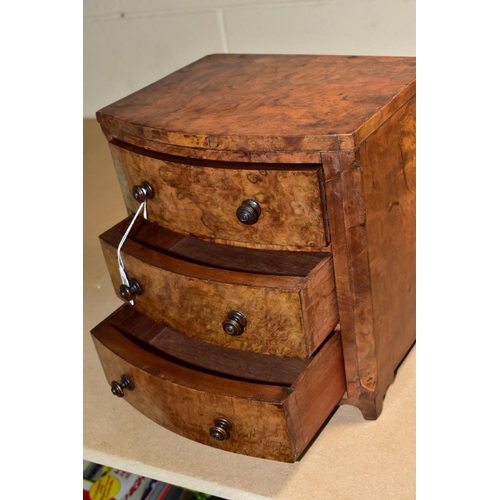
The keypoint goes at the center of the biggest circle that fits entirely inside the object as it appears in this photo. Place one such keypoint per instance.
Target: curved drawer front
(265, 420)
(188, 402)
(202, 200)
(283, 315)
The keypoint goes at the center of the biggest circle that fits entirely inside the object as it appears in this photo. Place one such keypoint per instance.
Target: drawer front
(269, 419)
(283, 315)
(188, 402)
(202, 200)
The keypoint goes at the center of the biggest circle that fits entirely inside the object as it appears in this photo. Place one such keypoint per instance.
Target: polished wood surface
(267, 420)
(323, 379)
(270, 157)
(202, 200)
(324, 149)
(222, 361)
(114, 432)
(264, 103)
(371, 195)
(389, 186)
(231, 258)
(286, 315)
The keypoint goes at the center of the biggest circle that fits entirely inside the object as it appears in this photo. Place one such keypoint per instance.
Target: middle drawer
(272, 302)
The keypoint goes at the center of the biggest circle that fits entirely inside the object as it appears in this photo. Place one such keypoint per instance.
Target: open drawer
(253, 404)
(273, 302)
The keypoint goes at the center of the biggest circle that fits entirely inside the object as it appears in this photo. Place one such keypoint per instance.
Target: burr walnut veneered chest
(274, 275)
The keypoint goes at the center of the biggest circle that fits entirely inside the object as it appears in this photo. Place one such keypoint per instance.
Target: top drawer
(201, 198)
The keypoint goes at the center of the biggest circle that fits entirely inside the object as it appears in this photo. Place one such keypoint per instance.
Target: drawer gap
(246, 260)
(185, 160)
(202, 356)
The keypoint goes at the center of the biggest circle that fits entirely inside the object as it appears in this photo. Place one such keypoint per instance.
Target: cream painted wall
(131, 43)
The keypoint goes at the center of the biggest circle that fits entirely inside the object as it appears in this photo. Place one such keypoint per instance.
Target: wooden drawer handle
(118, 388)
(129, 292)
(248, 212)
(145, 190)
(221, 428)
(235, 323)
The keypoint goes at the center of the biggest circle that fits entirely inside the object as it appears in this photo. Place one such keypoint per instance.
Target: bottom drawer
(253, 404)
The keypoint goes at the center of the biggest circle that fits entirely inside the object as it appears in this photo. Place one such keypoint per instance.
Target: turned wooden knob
(248, 212)
(221, 428)
(118, 388)
(130, 291)
(235, 323)
(145, 190)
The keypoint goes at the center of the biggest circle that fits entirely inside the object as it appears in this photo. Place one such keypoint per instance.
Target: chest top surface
(266, 102)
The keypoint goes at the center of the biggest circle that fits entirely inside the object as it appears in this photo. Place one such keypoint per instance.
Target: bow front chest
(267, 266)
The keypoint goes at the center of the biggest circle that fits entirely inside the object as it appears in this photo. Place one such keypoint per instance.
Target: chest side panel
(389, 182)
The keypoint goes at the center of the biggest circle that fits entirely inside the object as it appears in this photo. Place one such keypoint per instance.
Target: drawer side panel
(319, 304)
(318, 390)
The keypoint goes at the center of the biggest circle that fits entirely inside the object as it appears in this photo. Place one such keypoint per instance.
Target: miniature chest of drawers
(268, 261)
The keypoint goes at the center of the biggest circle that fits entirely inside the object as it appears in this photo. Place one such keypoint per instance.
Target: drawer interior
(287, 298)
(274, 406)
(203, 356)
(218, 256)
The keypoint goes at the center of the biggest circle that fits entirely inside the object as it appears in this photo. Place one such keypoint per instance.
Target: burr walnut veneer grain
(201, 198)
(269, 420)
(288, 315)
(324, 149)
(264, 103)
(372, 203)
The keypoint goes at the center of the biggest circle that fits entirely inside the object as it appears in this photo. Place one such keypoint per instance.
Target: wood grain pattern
(220, 361)
(371, 196)
(271, 157)
(202, 200)
(317, 391)
(359, 268)
(194, 300)
(340, 252)
(187, 401)
(389, 185)
(264, 103)
(248, 260)
(352, 141)
(319, 304)
(326, 145)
